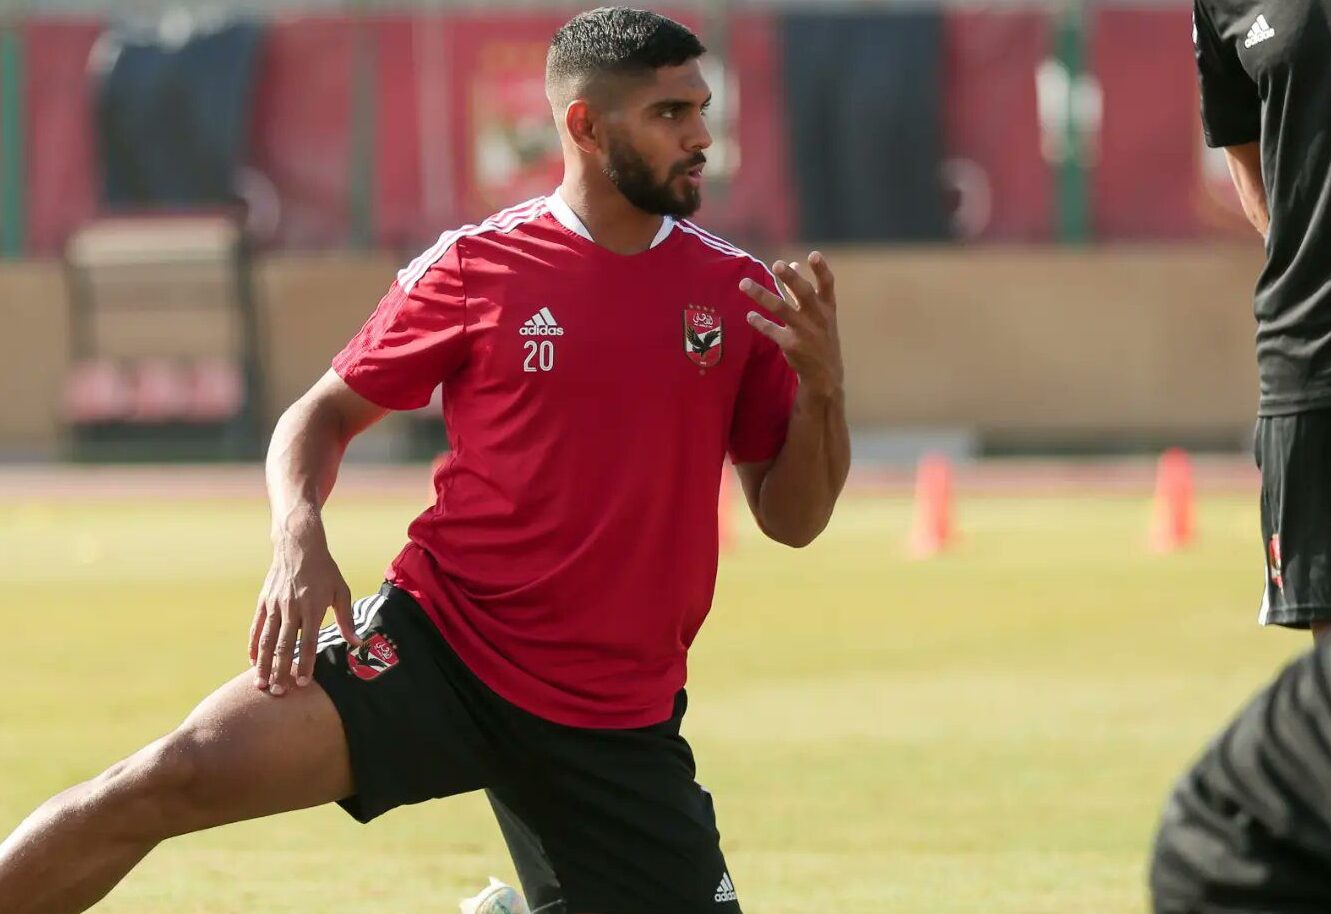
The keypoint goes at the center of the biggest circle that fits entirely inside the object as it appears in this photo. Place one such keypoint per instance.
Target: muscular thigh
(379, 726)
(242, 754)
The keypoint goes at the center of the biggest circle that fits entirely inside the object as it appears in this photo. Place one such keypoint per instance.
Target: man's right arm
(307, 447)
(303, 460)
(1245, 167)
(414, 341)
(1231, 110)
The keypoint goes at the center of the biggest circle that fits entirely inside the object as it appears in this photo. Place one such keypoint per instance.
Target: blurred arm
(1245, 167)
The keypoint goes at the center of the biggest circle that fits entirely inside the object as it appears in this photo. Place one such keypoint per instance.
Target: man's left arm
(792, 495)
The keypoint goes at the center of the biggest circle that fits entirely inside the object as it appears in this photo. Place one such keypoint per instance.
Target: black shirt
(1265, 73)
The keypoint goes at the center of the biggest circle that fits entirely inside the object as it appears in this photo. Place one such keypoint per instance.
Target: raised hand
(808, 337)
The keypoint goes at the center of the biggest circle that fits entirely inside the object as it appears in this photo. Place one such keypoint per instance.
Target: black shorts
(1294, 455)
(609, 821)
(1247, 830)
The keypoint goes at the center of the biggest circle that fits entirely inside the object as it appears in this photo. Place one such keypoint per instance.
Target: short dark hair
(613, 41)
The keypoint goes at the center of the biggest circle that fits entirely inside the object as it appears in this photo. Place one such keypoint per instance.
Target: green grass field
(991, 731)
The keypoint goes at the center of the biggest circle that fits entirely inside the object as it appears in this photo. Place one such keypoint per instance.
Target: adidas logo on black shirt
(1260, 31)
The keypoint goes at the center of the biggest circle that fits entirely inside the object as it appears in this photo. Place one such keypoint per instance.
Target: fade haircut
(595, 52)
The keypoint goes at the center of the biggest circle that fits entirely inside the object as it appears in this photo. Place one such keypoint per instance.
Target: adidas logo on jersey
(1260, 31)
(726, 890)
(542, 323)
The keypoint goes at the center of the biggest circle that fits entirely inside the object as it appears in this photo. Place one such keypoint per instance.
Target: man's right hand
(302, 583)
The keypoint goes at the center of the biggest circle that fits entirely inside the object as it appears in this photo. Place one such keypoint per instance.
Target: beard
(631, 174)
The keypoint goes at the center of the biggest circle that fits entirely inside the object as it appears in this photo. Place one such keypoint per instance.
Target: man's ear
(582, 125)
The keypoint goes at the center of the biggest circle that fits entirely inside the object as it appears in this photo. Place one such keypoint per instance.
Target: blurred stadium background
(1044, 275)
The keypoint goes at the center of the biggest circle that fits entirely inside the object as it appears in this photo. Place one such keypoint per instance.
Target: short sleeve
(1231, 107)
(413, 341)
(766, 393)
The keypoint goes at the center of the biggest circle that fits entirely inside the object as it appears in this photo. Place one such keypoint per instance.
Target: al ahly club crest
(372, 659)
(702, 336)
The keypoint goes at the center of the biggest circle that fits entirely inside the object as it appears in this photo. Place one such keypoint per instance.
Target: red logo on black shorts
(1273, 563)
(376, 656)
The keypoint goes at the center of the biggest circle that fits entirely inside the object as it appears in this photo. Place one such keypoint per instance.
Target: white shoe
(496, 898)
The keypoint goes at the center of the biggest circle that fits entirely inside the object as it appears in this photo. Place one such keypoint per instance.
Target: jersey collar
(569, 220)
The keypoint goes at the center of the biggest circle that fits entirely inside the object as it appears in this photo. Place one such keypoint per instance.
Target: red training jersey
(590, 398)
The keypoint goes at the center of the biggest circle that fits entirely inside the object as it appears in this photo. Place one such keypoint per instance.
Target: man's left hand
(808, 338)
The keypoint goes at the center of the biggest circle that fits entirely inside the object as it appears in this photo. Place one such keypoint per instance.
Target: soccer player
(1248, 828)
(599, 354)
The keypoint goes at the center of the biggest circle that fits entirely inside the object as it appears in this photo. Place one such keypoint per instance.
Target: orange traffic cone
(725, 511)
(1171, 523)
(932, 532)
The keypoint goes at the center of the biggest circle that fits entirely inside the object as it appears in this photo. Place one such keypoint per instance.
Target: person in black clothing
(1248, 829)
(1265, 74)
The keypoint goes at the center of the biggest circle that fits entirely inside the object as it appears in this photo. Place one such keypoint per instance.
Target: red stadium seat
(217, 391)
(97, 390)
(161, 391)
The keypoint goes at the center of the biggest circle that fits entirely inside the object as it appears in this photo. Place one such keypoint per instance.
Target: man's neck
(613, 222)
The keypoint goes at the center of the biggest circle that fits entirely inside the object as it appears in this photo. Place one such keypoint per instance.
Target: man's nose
(701, 137)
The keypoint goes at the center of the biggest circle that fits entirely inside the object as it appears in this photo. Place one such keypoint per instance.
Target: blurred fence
(377, 125)
(945, 155)
(1114, 347)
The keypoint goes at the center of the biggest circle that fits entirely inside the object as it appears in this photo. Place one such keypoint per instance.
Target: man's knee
(165, 788)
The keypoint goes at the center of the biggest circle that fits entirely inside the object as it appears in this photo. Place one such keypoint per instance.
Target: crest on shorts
(1273, 562)
(702, 335)
(376, 656)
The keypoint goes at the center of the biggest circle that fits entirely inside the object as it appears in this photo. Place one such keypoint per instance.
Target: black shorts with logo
(1294, 455)
(606, 821)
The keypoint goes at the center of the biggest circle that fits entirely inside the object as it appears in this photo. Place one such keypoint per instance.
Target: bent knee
(165, 788)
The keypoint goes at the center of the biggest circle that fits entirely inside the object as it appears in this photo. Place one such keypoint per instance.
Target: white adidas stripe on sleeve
(503, 222)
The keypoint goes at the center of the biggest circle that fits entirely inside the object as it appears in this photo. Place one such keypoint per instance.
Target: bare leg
(241, 754)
